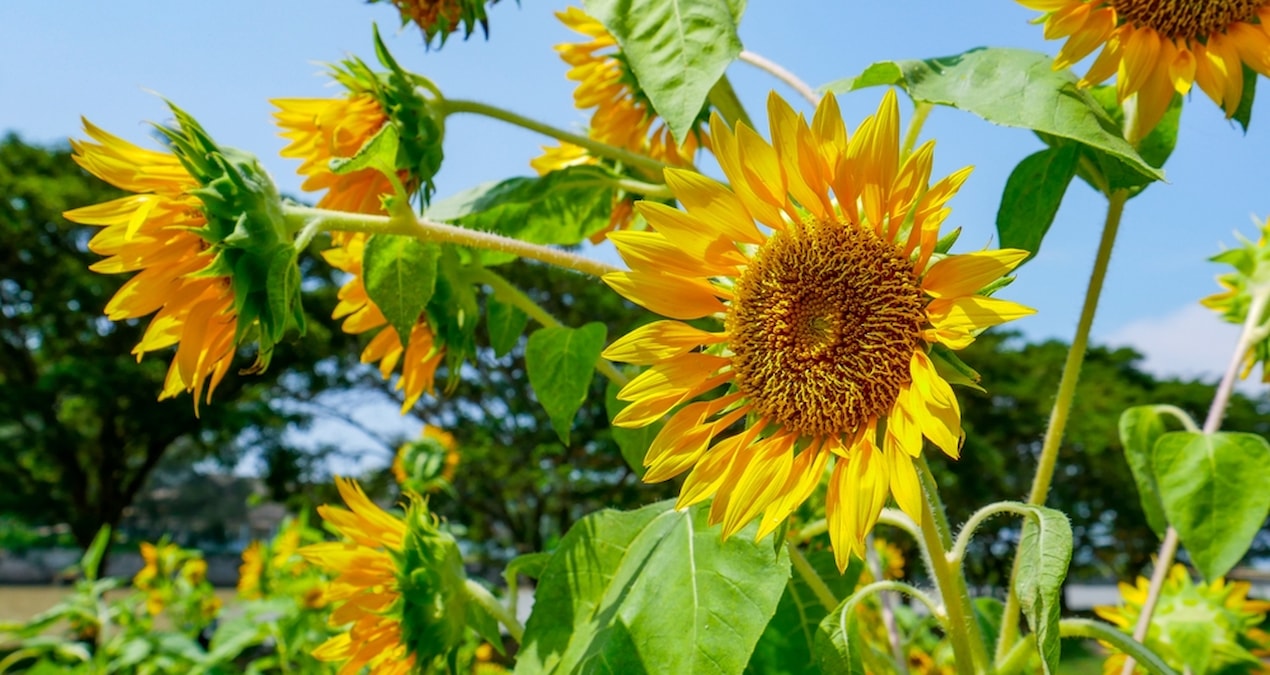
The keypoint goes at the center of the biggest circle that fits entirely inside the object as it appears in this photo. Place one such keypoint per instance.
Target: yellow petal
(715, 205)
(964, 274)
(694, 237)
(708, 474)
(1141, 50)
(905, 487)
(669, 295)
(957, 319)
(804, 477)
(659, 341)
(759, 483)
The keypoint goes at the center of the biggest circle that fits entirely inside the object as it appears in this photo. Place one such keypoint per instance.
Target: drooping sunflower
(399, 586)
(1218, 614)
(831, 309)
(321, 130)
(1158, 47)
(623, 116)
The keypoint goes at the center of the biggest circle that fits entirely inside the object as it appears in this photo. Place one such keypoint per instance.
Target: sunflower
(1158, 47)
(251, 571)
(429, 463)
(158, 232)
(1218, 614)
(400, 585)
(623, 116)
(830, 314)
(321, 130)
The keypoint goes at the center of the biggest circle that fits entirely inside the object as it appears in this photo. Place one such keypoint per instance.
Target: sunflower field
(799, 309)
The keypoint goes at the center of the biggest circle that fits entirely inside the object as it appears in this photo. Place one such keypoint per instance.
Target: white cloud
(1188, 342)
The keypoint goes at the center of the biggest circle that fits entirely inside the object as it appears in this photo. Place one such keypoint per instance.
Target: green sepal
(434, 601)
(955, 371)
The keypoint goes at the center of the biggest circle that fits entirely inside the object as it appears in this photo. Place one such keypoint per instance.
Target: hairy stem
(451, 106)
(481, 596)
(811, 578)
(429, 230)
(1063, 402)
(775, 70)
(888, 608)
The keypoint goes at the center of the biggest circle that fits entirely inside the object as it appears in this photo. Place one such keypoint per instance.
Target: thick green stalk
(478, 594)
(430, 230)
(1063, 402)
(451, 106)
(963, 628)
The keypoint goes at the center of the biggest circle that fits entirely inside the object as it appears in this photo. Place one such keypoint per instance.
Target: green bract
(434, 607)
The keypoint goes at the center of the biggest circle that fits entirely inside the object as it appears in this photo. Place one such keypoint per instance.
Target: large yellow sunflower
(156, 233)
(367, 586)
(830, 307)
(1158, 47)
(323, 129)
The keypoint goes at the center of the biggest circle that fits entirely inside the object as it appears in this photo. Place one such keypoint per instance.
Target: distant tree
(80, 426)
(1004, 430)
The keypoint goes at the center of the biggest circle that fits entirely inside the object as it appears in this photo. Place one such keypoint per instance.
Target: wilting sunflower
(321, 130)
(623, 116)
(1218, 615)
(400, 586)
(1158, 47)
(829, 321)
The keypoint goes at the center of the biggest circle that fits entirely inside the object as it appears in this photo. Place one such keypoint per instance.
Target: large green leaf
(562, 208)
(401, 275)
(1010, 87)
(1140, 427)
(652, 591)
(788, 641)
(677, 50)
(1044, 553)
(1155, 148)
(1032, 197)
(561, 362)
(1214, 492)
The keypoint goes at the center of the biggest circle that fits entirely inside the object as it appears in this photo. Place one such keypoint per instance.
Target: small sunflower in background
(831, 309)
(203, 232)
(623, 116)
(1246, 290)
(399, 589)
(1156, 48)
(320, 130)
(428, 464)
(438, 19)
(1204, 628)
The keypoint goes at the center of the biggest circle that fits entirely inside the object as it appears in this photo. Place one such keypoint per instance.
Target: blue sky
(223, 61)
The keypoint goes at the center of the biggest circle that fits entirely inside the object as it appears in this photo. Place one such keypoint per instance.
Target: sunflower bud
(431, 579)
(440, 18)
(1247, 290)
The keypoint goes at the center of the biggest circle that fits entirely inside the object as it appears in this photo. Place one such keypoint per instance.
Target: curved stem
(518, 298)
(921, 110)
(888, 608)
(1063, 401)
(639, 187)
(429, 230)
(481, 596)
(775, 70)
(808, 573)
(898, 587)
(1097, 630)
(451, 106)
(1212, 423)
(976, 519)
(723, 97)
(1178, 414)
(963, 628)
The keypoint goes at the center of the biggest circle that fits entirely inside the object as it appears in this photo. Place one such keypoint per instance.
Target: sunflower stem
(808, 573)
(1063, 402)
(777, 71)
(725, 100)
(429, 230)
(1212, 423)
(921, 110)
(647, 190)
(1097, 630)
(505, 290)
(963, 629)
(451, 106)
(481, 596)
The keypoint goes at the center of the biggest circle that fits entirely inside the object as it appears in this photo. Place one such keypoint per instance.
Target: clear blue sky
(222, 61)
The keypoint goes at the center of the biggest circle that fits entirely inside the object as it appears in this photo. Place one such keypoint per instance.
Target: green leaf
(1010, 87)
(1032, 196)
(1044, 553)
(505, 323)
(677, 50)
(401, 275)
(989, 612)
(561, 208)
(1243, 113)
(632, 442)
(561, 362)
(838, 647)
(480, 620)
(1140, 427)
(531, 565)
(454, 310)
(1155, 147)
(92, 555)
(788, 642)
(379, 153)
(652, 591)
(1214, 492)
